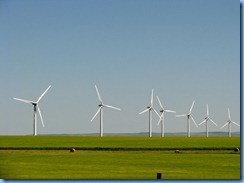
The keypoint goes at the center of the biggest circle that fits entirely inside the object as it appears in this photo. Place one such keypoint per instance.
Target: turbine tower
(150, 109)
(207, 118)
(161, 118)
(100, 110)
(189, 117)
(229, 123)
(36, 108)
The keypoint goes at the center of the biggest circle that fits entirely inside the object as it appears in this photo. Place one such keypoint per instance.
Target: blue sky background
(184, 49)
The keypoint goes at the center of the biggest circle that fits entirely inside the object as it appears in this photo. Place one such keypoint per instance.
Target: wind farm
(97, 150)
(120, 90)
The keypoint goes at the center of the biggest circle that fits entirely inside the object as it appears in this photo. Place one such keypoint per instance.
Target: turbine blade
(160, 103)
(152, 98)
(191, 106)
(194, 121)
(98, 94)
(108, 106)
(207, 111)
(170, 111)
(161, 118)
(224, 125)
(181, 115)
(40, 114)
(229, 113)
(156, 112)
(213, 122)
(144, 111)
(235, 123)
(22, 100)
(202, 122)
(96, 113)
(43, 94)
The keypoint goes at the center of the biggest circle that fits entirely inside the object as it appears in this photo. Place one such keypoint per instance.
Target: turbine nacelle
(34, 103)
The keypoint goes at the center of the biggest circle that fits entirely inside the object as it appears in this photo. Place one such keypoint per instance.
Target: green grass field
(48, 157)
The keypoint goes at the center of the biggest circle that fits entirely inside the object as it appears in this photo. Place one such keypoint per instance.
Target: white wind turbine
(149, 109)
(229, 123)
(36, 107)
(189, 116)
(161, 119)
(100, 109)
(207, 118)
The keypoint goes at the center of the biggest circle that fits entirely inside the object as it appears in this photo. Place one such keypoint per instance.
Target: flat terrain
(48, 157)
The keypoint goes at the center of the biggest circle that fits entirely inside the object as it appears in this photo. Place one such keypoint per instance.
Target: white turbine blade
(161, 118)
(213, 122)
(229, 113)
(202, 122)
(96, 113)
(108, 106)
(194, 121)
(160, 103)
(191, 106)
(235, 123)
(144, 111)
(40, 114)
(22, 100)
(224, 125)
(181, 115)
(98, 94)
(207, 111)
(155, 112)
(170, 111)
(43, 94)
(152, 98)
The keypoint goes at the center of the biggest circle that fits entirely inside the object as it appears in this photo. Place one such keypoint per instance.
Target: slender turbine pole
(150, 123)
(229, 129)
(34, 133)
(188, 126)
(101, 122)
(162, 126)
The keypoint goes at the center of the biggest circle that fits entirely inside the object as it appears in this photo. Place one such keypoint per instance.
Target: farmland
(48, 157)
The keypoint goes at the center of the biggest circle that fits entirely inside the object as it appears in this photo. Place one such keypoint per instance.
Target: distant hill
(193, 134)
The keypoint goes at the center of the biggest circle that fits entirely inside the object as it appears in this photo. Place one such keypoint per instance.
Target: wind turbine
(149, 109)
(161, 118)
(229, 123)
(36, 108)
(189, 117)
(207, 118)
(100, 109)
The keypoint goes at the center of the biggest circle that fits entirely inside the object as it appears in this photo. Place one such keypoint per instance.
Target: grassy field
(43, 157)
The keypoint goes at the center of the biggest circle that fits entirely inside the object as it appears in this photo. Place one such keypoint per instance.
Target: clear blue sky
(184, 49)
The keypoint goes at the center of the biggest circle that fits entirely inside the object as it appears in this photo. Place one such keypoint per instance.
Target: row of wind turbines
(149, 109)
